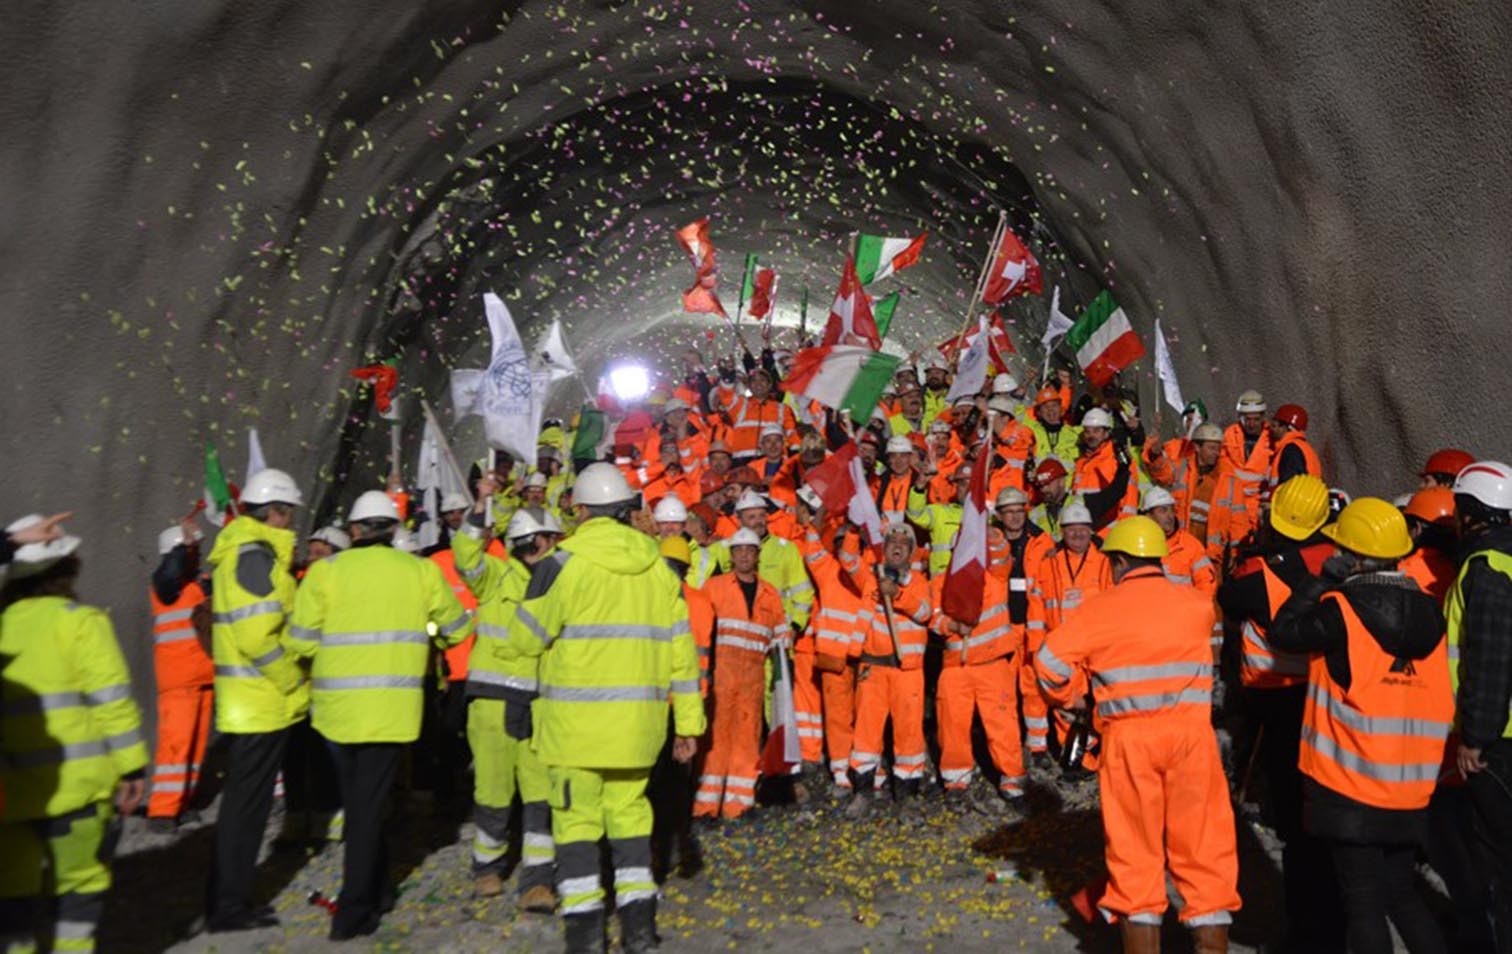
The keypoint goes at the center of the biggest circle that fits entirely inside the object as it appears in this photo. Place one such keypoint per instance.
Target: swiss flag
(701, 298)
(1000, 343)
(831, 480)
(1014, 271)
(967, 576)
(850, 318)
(761, 294)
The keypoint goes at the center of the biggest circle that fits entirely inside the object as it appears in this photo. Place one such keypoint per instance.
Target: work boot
(488, 885)
(1210, 939)
(905, 789)
(638, 927)
(1140, 938)
(862, 786)
(584, 932)
(161, 826)
(537, 899)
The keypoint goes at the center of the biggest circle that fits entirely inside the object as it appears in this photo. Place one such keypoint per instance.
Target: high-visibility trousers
(809, 703)
(990, 689)
(727, 785)
(1035, 708)
(883, 693)
(184, 718)
(586, 806)
(1165, 805)
(54, 878)
(839, 691)
(503, 764)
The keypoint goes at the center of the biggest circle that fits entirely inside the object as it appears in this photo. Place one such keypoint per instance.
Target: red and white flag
(701, 297)
(967, 576)
(781, 754)
(999, 343)
(862, 510)
(1014, 271)
(762, 287)
(850, 319)
(831, 480)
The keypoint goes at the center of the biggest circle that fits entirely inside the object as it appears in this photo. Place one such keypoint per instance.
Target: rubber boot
(1140, 938)
(638, 927)
(905, 789)
(862, 784)
(1211, 939)
(585, 932)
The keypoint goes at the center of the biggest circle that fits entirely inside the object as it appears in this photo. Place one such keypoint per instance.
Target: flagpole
(445, 446)
(981, 285)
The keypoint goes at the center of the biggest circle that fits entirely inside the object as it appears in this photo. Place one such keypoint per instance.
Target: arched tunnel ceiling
(211, 207)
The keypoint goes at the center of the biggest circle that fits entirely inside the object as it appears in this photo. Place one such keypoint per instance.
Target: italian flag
(218, 499)
(882, 313)
(843, 377)
(878, 256)
(1103, 340)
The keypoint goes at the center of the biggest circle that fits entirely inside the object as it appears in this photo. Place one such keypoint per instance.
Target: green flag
(590, 437)
(748, 285)
(882, 313)
(217, 490)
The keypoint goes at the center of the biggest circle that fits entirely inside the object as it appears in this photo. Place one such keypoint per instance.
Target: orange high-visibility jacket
(993, 637)
(701, 621)
(1095, 471)
(1298, 440)
(747, 414)
(1063, 583)
(179, 659)
(1176, 470)
(1187, 562)
(835, 623)
(742, 637)
(1261, 667)
(911, 614)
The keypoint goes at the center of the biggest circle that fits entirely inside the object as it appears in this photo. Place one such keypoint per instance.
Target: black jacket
(1485, 643)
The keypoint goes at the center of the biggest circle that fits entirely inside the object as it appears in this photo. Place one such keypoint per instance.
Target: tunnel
(214, 211)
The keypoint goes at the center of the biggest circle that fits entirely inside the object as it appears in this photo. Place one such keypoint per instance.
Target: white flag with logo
(435, 477)
(1167, 371)
(971, 372)
(552, 355)
(512, 396)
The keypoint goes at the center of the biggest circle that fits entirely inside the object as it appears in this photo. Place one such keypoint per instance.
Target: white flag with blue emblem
(512, 396)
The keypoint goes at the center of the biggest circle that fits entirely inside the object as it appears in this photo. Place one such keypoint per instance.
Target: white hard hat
(1001, 403)
(676, 404)
(172, 537)
(1156, 497)
(1251, 402)
(373, 505)
(670, 509)
(810, 497)
(1074, 513)
(939, 427)
(1004, 384)
(899, 445)
(751, 500)
(550, 522)
(271, 486)
(1097, 417)
(744, 537)
(1207, 432)
(536, 479)
(934, 361)
(601, 484)
(451, 500)
(405, 542)
(1487, 481)
(525, 522)
(897, 528)
(888, 390)
(771, 430)
(33, 558)
(335, 537)
(1011, 496)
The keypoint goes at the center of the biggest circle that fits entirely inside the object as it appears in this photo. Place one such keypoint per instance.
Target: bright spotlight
(630, 382)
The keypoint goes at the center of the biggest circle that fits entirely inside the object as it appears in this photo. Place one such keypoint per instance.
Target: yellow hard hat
(1371, 527)
(1138, 537)
(1299, 507)
(676, 548)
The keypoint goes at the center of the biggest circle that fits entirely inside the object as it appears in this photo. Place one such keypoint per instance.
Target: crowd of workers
(605, 627)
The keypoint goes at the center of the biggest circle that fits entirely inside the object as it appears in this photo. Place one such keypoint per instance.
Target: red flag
(701, 298)
(1000, 343)
(967, 576)
(850, 318)
(831, 480)
(761, 294)
(384, 378)
(1014, 271)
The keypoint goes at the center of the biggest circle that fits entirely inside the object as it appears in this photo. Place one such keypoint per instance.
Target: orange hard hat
(1292, 415)
(1047, 393)
(1447, 461)
(1432, 505)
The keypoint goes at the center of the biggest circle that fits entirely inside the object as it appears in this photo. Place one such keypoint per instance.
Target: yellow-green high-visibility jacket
(1067, 443)
(606, 617)
(361, 615)
(1049, 522)
(780, 564)
(499, 586)
(68, 726)
(1454, 614)
(258, 686)
(942, 521)
(705, 564)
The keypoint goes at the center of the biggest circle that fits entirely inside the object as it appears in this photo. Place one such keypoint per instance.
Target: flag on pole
(780, 755)
(862, 509)
(878, 256)
(218, 501)
(850, 320)
(384, 377)
(748, 279)
(1166, 369)
(255, 459)
(967, 576)
(1103, 340)
(848, 377)
(701, 298)
(1055, 329)
(831, 480)
(511, 397)
(882, 313)
(999, 342)
(759, 302)
(803, 317)
(971, 373)
(551, 353)
(435, 476)
(1014, 271)
(592, 437)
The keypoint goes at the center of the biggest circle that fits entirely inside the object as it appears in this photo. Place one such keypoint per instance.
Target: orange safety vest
(1430, 569)
(992, 638)
(701, 621)
(1096, 471)
(1381, 741)
(743, 637)
(746, 417)
(1187, 562)
(1064, 582)
(1261, 667)
(1298, 440)
(835, 622)
(178, 659)
(458, 656)
(892, 503)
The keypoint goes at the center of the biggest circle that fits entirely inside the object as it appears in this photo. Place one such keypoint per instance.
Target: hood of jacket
(243, 530)
(613, 546)
(1403, 619)
(1497, 538)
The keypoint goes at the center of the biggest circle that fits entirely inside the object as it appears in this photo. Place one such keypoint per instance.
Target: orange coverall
(888, 688)
(1064, 582)
(978, 676)
(837, 640)
(185, 678)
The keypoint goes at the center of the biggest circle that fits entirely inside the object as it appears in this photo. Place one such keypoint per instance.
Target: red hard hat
(1049, 469)
(1447, 461)
(1292, 415)
(710, 483)
(1432, 505)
